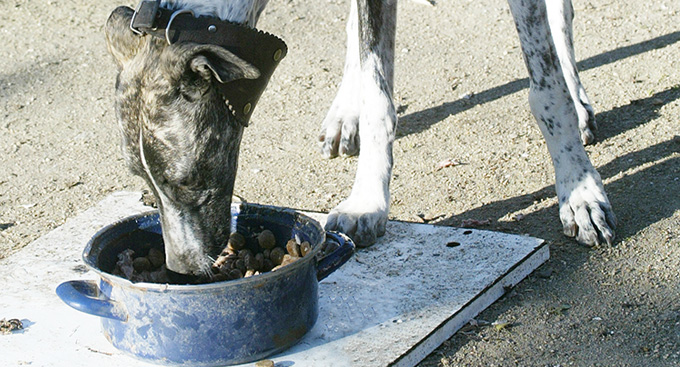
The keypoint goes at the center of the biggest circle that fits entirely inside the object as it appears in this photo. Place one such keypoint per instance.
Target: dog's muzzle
(261, 49)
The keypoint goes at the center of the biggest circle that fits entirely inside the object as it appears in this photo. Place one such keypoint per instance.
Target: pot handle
(85, 296)
(339, 256)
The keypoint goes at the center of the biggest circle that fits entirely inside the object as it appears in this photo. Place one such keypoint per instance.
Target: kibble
(293, 248)
(254, 259)
(156, 257)
(219, 262)
(137, 268)
(267, 265)
(305, 248)
(288, 259)
(239, 259)
(250, 262)
(259, 261)
(243, 253)
(240, 264)
(141, 264)
(276, 255)
(8, 326)
(237, 241)
(266, 239)
(235, 274)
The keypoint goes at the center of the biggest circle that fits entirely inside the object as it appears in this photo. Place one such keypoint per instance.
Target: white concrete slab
(392, 304)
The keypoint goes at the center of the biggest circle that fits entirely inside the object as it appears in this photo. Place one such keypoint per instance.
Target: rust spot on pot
(290, 336)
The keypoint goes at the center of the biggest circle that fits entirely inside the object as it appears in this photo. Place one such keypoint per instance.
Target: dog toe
(591, 225)
(587, 123)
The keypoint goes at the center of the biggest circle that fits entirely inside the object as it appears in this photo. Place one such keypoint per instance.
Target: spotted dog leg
(560, 16)
(340, 129)
(363, 214)
(585, 211)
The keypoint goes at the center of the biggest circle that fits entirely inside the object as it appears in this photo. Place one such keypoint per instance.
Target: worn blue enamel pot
(212, 324)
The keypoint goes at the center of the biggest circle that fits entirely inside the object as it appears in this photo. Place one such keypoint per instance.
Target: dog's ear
(211, 61)
(122, 43)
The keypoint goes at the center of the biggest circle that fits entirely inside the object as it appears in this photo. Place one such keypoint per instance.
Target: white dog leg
(363, 214)
(584, 208)
(560, 16)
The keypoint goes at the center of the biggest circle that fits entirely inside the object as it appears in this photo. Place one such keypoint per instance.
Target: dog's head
(179, 135)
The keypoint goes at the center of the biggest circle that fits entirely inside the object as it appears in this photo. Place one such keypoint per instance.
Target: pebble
(265, 363)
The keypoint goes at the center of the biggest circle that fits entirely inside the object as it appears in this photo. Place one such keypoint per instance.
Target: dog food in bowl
(244, 256)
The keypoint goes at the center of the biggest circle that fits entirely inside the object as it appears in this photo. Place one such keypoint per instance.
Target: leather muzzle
(260, 49)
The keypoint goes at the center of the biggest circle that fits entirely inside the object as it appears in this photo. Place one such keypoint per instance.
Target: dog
(183, 139)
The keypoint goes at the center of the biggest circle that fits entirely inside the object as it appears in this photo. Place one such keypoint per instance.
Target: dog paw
(340, 128)
(587, 215)
(339, 134)
(362, 220)
(586, 121)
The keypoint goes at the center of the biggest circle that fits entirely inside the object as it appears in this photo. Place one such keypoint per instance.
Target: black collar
(262, 50)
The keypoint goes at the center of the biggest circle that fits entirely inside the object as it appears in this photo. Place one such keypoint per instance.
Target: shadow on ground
(422, 120)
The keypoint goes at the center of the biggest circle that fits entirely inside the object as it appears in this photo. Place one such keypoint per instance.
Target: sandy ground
(462, 90)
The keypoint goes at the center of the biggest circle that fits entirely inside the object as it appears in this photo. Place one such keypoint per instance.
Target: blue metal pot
(210, 324)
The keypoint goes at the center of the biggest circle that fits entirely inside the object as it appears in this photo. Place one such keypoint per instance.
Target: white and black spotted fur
(179, 136)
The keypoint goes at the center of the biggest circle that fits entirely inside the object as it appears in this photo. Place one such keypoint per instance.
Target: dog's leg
(560, 16)
(363, 214)
(584, 208)
(340, 129)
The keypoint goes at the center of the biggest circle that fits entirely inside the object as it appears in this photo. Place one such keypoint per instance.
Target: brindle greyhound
(183, 139)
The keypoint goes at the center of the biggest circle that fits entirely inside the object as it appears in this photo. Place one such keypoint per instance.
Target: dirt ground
(462, 90)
